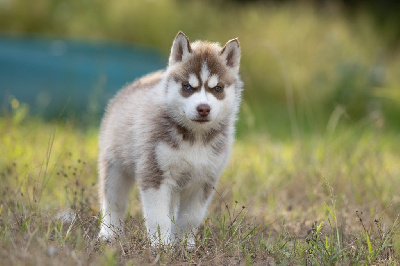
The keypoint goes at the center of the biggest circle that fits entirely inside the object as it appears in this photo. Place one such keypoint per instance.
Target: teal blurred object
(49, 74)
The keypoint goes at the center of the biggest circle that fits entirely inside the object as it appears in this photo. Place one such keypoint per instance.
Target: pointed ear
(231, 53)
(180, 48)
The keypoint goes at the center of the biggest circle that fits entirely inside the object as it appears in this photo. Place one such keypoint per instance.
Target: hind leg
(114, 192)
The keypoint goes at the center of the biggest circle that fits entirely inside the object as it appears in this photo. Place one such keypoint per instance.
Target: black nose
(203, 109)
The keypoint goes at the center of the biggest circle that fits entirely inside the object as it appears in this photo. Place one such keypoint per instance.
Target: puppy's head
(203, 84)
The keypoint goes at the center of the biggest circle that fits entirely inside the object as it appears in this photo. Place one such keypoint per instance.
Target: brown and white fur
(171, 131)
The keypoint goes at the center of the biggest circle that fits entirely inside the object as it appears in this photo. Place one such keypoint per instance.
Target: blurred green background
(304, 63)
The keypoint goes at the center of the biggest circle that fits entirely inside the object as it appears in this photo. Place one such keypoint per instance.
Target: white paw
(107, 233)
(191, 242)
(156, 241)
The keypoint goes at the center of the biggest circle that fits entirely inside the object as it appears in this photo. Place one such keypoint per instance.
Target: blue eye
(217, 88)
(187, 87)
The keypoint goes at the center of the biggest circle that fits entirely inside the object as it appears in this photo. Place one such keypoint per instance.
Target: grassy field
(322, 199)
(314, 177)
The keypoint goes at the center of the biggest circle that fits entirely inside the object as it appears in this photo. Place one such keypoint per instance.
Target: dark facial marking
(194, 66)
(187, 93)
(220, 95)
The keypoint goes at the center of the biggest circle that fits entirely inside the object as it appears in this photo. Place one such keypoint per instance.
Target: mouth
(201, 121)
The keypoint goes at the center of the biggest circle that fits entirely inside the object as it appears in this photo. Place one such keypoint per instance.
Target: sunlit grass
(321, 198)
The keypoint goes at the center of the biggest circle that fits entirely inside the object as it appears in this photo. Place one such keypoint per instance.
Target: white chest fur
(194, 162)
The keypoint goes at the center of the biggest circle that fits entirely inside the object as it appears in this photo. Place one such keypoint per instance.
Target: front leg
(156, 202)
(193, 207)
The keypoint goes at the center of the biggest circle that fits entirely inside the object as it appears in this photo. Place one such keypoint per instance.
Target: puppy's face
(202, 81)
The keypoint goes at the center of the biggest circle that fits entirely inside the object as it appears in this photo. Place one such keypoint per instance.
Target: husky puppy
(171, 132)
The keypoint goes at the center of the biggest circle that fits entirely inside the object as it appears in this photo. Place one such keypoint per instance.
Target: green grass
(322, 199)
